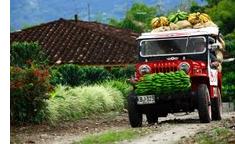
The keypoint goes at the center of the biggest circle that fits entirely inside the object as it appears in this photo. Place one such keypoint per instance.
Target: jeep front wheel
(135, 116)
(204, 104)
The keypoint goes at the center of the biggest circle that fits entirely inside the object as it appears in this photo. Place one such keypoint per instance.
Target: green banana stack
(178, 16)
(163, 83)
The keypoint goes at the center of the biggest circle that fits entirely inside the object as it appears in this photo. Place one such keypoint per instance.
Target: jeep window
(158, 47)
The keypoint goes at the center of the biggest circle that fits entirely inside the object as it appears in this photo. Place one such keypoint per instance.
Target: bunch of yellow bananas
(158, 22)
(196, 18)
(204, 18)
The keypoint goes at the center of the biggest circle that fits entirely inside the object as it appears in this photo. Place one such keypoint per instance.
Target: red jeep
(190, 50)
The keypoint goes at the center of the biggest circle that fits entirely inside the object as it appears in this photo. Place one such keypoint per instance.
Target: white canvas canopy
(181, 33)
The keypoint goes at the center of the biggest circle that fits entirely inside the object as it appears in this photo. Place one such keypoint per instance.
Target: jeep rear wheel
(135, 116)
(216, 104)
(204, 104)
(152, 118)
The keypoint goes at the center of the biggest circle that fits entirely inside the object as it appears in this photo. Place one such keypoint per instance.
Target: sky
(26, 13)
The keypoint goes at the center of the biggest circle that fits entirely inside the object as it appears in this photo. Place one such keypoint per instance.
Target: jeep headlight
(144, 69)
(184, 66)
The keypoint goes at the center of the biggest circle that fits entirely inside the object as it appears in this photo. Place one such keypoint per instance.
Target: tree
(223, 14)
(196, 8)
(212, 2)
(23, 54)
(137, 18)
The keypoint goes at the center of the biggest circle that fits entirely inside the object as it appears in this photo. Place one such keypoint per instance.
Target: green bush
(68, 104)
(94, 75)
(68, 74)
(24, 54)
(123, 73)
(29, 90)
(121, 85)
(74, 75)
(228, 86)
(29, 83)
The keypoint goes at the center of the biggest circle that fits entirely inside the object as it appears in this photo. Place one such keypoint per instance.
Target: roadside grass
(122, 85)
(111, 137)
(71, 104)
(216, 136)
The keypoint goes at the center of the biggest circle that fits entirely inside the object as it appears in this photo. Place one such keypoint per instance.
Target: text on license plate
(146, 99)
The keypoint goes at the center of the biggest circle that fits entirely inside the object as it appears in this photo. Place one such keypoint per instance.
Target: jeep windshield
(172, 46)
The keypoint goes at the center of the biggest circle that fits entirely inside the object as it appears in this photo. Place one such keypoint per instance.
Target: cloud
(33, 3)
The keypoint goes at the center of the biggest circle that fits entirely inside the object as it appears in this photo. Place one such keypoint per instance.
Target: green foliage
(213, 2)
(120, 85)
(68, 104)
(123, 73)
(215, 136)
(74, 75)
(137, 18)
(109, 137)
(68, 74)
(29, 90)
(228, 86)
(223, 14)
(230, 43)
(95, 74)
(23, 54)
(196, 8)
(29, 83)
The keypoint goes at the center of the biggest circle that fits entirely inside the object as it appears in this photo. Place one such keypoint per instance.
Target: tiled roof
(84, 43)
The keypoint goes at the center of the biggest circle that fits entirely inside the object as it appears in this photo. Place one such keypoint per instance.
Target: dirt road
(169, 130)
(176, 127)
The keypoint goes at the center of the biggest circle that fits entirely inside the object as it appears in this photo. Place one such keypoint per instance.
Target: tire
(152, 118)
(204, 104)
(135, 116)
(216, 105)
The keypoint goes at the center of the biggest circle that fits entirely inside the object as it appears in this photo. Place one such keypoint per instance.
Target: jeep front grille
(165, 67)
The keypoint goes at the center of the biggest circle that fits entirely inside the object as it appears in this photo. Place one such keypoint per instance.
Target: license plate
(146, 99)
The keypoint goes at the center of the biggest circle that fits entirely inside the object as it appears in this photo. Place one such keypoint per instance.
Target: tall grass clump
(120, 85)
(70, 104)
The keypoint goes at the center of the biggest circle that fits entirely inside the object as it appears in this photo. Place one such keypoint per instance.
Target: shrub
(29, 83)
(24, 54)
(29, 90)
(68, 104)
(121, 85)
(68, 74)
(74, 75)
(123, 73)
(95, 74)
(228, 86)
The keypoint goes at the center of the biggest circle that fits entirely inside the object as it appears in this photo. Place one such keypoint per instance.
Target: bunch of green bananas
(163, 83)
(195, 18)
(178, 16)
